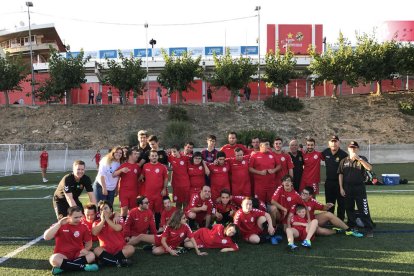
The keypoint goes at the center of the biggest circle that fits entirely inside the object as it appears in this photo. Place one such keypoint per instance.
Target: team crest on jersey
(200, 168)
(252, 219)
(223, 241)
(289, 198)
(309, 208)
(337, 159)
(181, 162)
(315, 156)
(175, 198)
(146, 219)
(224, 169)
(157, 170)
(135, 171)
(76, 234)
(243, 162)
(270, 156)
(283, 159)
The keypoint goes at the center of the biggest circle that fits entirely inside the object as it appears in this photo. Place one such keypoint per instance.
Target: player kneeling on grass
(224, 209)
(173, 236)
(73, 244)
(253, 223)
(218, 237)
(312, 204)
(112, 250)
(301, 229)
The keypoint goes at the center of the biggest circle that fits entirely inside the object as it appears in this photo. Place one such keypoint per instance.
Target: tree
(375, 61)
(405, 59)
(279, 70)
(127, 75)
(231, 73)
(66, 73)
(12, 72)
(336, 65)
(179, 73)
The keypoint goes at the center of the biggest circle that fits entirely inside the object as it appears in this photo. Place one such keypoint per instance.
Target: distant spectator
(209, 94)
(159, 94)
(91, 95)
(109, 96)
(44, 159)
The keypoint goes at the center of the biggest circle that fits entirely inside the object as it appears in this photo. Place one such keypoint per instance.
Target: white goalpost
(11, 159)
(57, 152)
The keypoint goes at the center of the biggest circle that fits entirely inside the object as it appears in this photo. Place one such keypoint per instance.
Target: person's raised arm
(51, 232)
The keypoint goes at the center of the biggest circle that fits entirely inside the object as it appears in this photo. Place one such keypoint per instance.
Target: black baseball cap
(334, 138)
(353, 144)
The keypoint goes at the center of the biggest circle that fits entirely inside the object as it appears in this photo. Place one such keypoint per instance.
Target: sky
(103, 24)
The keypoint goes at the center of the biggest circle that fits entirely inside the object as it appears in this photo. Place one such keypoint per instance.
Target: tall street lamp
(30, 4)
(258, 8)
(146, 56)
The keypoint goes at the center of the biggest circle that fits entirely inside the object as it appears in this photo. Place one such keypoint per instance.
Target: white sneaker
(45, 180)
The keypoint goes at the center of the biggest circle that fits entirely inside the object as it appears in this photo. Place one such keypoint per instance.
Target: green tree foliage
(335, 66)
(127, 76)
(231, 73)
(375, 61)
(177, 113)
(279, 70)
(179, 73)
(65, 74)
(405, 59)
(178, 132)
(12, 72)
(245, 136)
(281, 103)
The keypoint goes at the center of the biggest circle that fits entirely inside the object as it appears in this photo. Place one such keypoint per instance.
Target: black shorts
(61, 207)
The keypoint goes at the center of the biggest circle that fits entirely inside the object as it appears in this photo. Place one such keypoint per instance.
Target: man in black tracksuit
(297, 159)
(333, 155)
(351, 182)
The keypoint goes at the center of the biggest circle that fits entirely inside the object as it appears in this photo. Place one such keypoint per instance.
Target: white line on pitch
(24, 198)
(20, 249)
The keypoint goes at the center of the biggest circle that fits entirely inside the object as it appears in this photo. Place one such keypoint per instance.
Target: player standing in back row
(44, 160)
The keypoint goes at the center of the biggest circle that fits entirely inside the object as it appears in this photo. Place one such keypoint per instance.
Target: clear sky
(170, 22)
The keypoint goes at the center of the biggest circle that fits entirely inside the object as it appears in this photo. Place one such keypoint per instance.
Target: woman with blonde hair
(106, 185)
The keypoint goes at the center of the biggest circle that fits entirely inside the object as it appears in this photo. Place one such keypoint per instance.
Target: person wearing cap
(351, 172)
(333, 156)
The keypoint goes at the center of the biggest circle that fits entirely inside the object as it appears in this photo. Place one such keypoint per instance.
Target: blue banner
(127, 53)
(140, 53)
(196, 51)
(249, 50)
(208, 51)
(177, 51)
(108, 54)
(72, 54)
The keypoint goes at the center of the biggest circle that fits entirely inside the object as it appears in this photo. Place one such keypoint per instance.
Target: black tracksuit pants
(333, 195)
(357, 194)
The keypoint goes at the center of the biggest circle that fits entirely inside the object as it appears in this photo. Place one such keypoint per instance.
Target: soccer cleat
(338, 230)
(306, 243)
(91, 267)
(293, 247)
(124, 263)
(354, 233)
(181, 250)
(45, 180)
(147, 247)
(56, 270)
(275, 239)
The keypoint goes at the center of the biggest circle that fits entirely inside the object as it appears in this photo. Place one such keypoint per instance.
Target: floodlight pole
(146, 55)
(30, 4)
(258, 8)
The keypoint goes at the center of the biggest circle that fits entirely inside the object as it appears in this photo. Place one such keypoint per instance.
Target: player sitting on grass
(224, 208)
(218, 237)
(323, 217)
(300, 228)
(73, 244)
(112, 250)
(173, 236)
(166, 213)
(253, 223)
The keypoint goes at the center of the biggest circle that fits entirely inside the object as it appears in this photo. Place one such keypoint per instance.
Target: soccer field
(26, 211)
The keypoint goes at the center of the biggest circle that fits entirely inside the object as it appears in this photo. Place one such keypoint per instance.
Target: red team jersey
(229, 150)
(247, 222)
(139, 222)
(129, 186)
(219, 179)
(197, 177)
(180, 180)
(214, 238)
(196, 201)
(221, 208)
(301, 229)
(174, 237)
(154, 175)
(286, 199)
(112, 241)
(239, 176)
(97, 158)
(70, 240)
(286, 163)
(44, 159)
(166, 215)
(237, 201)
(89, 225)
(312, 205)
(264, 185)
(311, 170)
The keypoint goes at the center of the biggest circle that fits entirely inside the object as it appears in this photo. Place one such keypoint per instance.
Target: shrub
(177, 133)
(406, 107)
(245, 136)
(177, 113)
(132, 139)
(281, 103)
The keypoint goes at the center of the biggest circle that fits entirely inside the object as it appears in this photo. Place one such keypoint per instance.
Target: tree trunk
(6, 96)
(232, 96)
(335, 90)
(379, 89)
